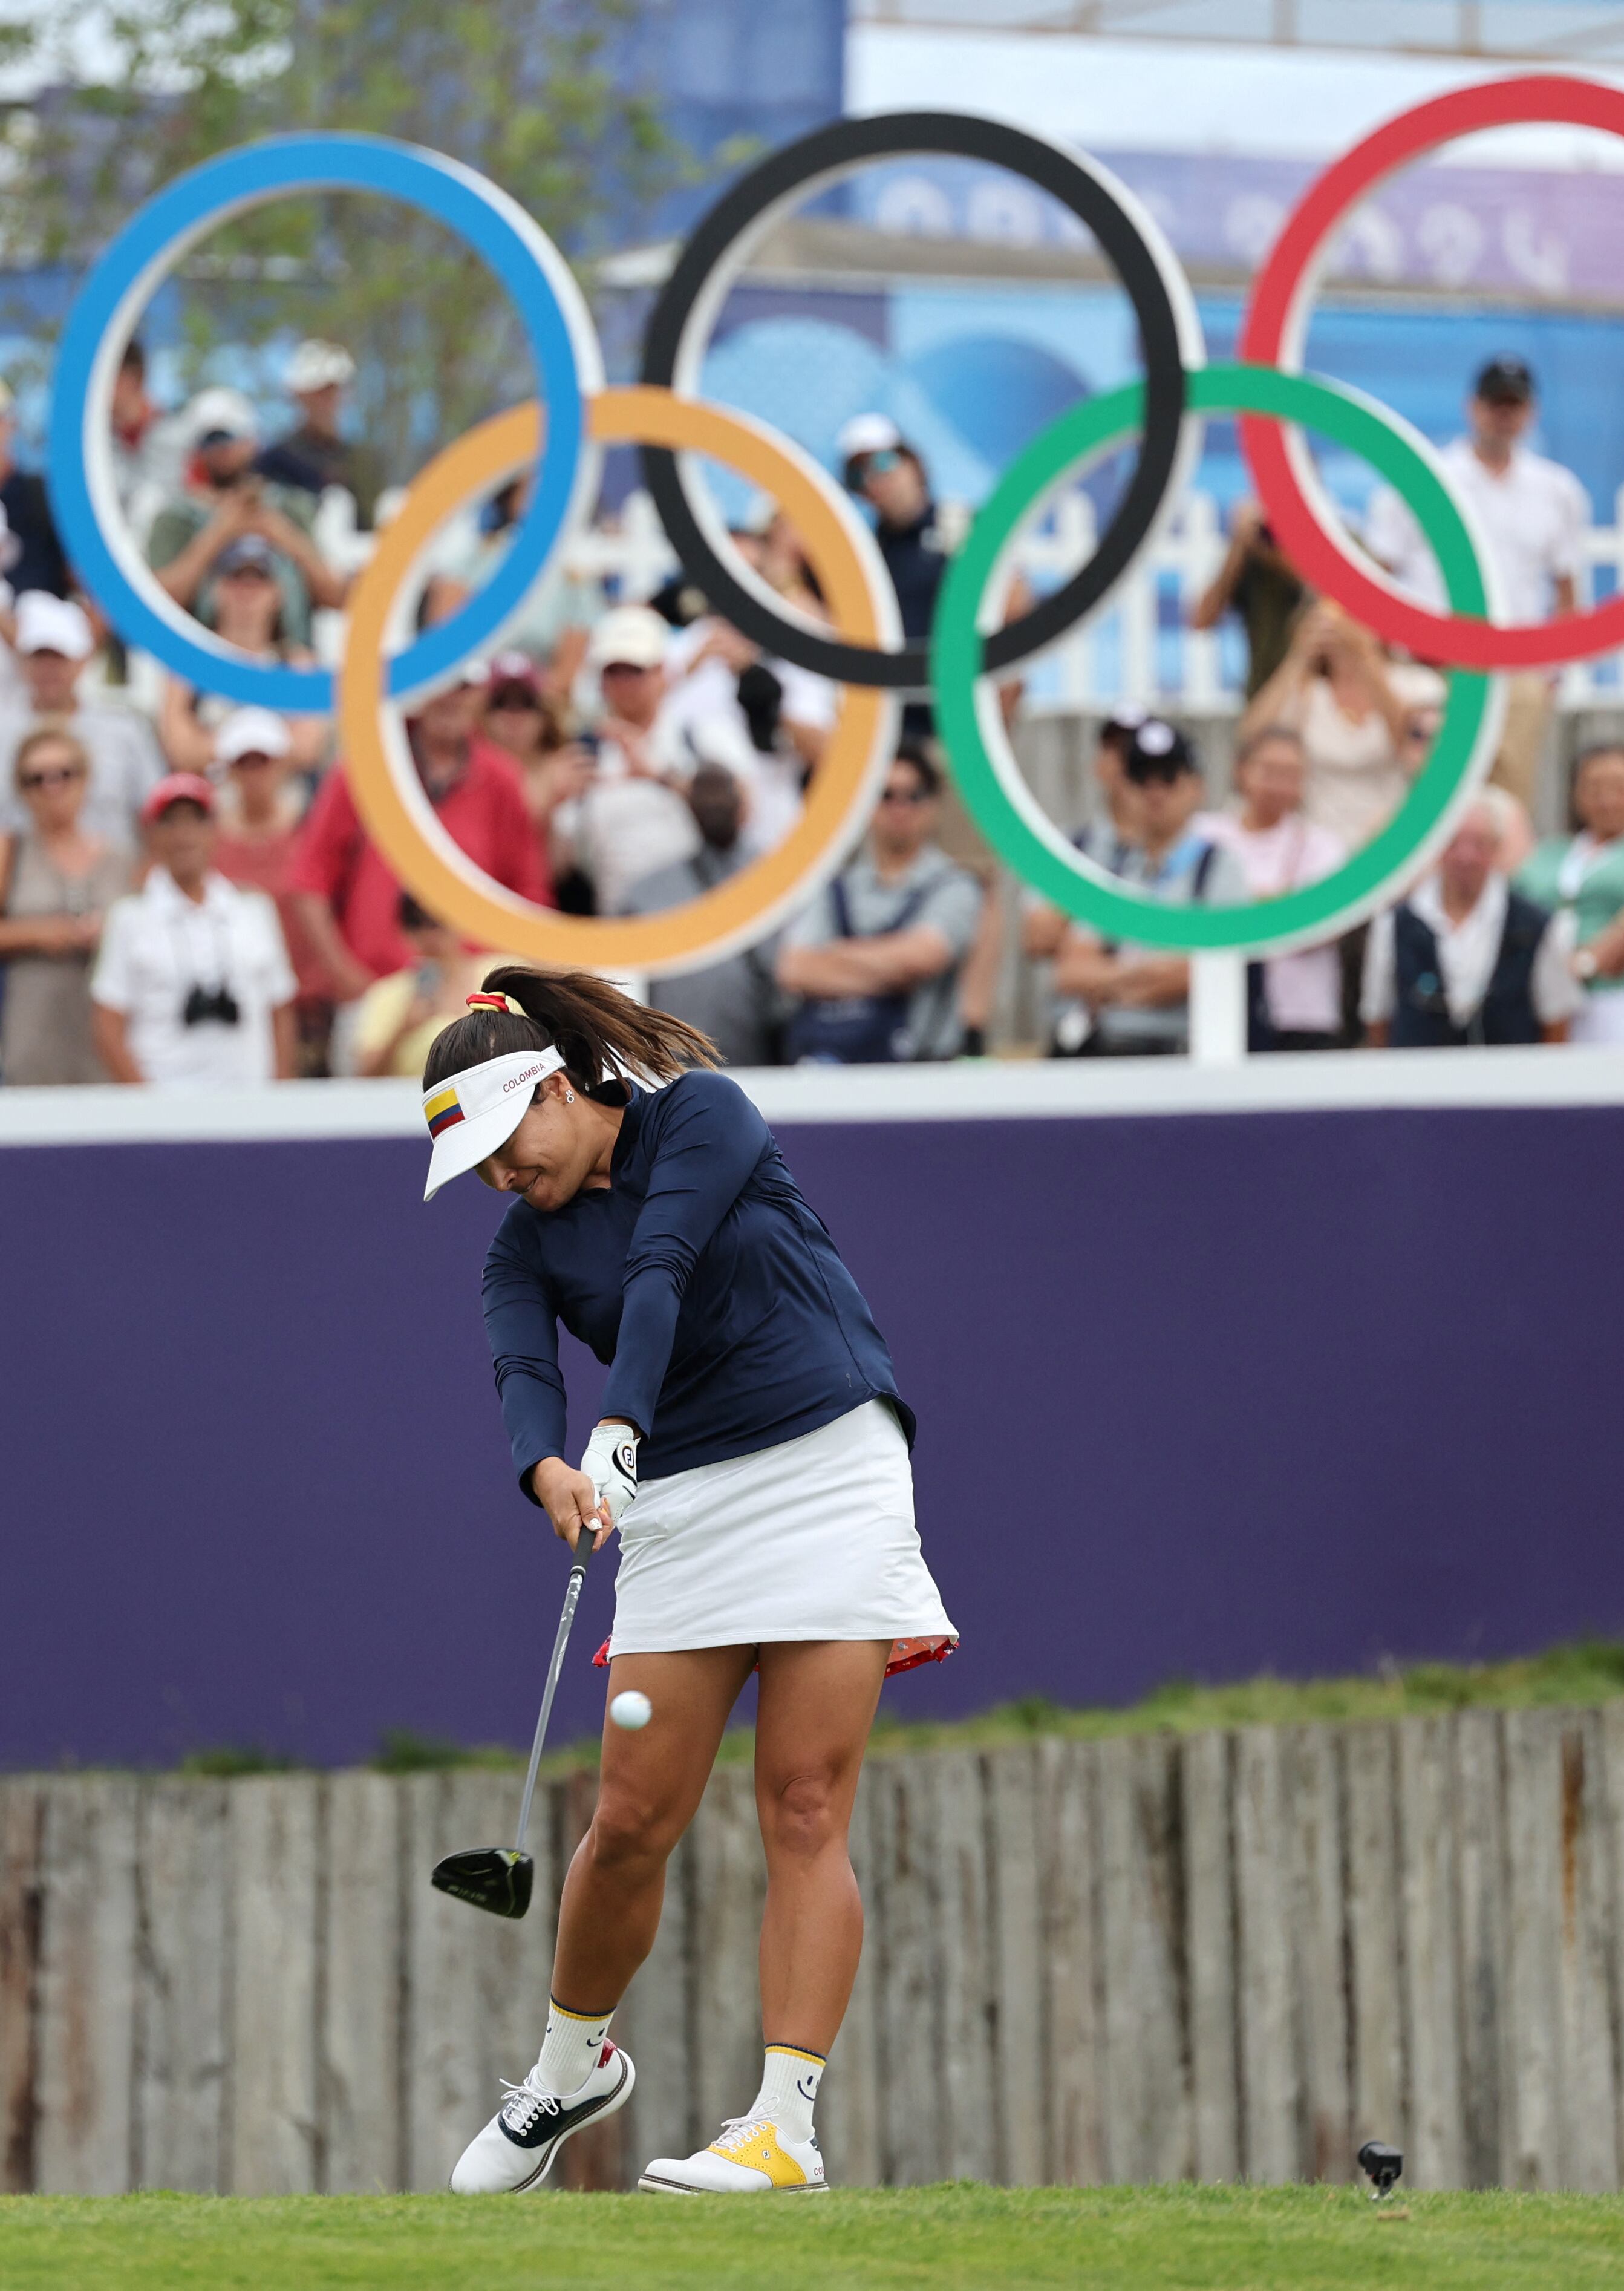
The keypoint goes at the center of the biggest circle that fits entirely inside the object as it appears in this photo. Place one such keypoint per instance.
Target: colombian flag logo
(443, 1111)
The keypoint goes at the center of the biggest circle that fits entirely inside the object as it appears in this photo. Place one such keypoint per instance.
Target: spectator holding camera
(1256, 583)
(1465, 958)
(193, 988)
(1296, 1000)
(1136, 997)
(224, 501)
(876, 957)
(57, 881)
(1583, 875)
(1334, 691)
(315, 453)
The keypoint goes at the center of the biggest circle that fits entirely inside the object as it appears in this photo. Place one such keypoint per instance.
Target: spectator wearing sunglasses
(57, 881)
(54, 641)
(876, 957)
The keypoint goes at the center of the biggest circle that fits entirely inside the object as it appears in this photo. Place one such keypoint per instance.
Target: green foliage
(962, 2238)
(231, 1759)
(520, 89)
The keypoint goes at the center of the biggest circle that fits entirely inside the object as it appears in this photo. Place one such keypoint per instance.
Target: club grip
(584, 1546)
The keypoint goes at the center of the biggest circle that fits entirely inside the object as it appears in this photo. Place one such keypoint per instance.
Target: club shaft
(584, 1552)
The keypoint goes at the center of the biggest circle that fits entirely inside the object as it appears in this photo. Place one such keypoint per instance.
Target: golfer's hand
(570, 1502)
(610, 1463)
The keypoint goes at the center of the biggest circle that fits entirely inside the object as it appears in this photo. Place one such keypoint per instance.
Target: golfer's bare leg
(648, 1790)
(817, 1704)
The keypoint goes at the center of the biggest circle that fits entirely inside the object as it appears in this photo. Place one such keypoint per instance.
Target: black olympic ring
(1169, 335)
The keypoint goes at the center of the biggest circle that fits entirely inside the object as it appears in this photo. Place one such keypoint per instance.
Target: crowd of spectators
(187, 894)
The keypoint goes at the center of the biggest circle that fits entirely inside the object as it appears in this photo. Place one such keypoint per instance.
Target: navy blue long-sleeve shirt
(702, 1277)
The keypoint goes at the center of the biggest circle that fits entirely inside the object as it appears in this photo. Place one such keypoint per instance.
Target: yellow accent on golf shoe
(757, 2150)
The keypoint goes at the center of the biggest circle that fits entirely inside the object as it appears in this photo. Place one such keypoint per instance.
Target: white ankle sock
(789, 2079)
(570, 2048)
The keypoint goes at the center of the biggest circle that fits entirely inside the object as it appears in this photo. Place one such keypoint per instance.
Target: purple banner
(1197, 1396)
(1544, 237)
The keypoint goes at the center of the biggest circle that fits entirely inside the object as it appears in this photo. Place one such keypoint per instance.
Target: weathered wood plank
(1209, 1950)
(1375, 1962)
(1148, 2119)
(730, 1878)
(275, 2144)
(1611, 1732)
(476, 1986)
(86, 1988)
(1588, 2089)
(599, 2156)
(1073, 2017)
(362, 1943)
(656, 2025)
(1016, 1986)
(909, 1998)
(1271, 2081)
(1533, 1842)
(964, 1966)
(184, 1956)
(1311, 1770)
(1430, 1891)
(21, 1823)
(1482, 1945)
(849, 2101)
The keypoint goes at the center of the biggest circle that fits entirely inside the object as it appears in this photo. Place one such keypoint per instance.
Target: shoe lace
(526, 2101)
(737, 2129)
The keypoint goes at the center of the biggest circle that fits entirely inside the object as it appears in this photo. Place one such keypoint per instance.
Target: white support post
(1218, 1009)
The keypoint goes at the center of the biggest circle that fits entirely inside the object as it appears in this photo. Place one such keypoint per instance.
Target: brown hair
(604, 1036)
(46, 736)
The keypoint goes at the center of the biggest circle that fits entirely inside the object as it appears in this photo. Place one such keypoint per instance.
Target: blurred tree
(523, 90)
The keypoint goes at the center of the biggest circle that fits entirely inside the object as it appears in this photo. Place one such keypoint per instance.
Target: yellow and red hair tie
(497, 1002)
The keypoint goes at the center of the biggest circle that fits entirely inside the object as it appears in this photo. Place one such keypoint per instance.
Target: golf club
(499, 1877)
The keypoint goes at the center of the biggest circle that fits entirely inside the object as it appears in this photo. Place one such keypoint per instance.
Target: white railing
(1141, 645)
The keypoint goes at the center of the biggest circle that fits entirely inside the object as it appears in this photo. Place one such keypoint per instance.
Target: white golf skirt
(812, 1539)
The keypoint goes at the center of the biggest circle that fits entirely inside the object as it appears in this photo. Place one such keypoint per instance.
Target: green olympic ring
(984, 764)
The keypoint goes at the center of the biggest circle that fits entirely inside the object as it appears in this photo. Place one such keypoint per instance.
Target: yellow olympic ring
(395, 811)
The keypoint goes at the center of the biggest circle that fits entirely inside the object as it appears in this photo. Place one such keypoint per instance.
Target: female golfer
(753, 1450)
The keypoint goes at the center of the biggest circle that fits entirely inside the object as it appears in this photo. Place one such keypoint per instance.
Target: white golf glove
(610, 1463)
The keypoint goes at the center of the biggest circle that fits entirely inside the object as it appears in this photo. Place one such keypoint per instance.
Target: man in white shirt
(1280, 849)
(1465, 958)
(53, 641)
(1533, 514)
(193, 989)
(631, 820)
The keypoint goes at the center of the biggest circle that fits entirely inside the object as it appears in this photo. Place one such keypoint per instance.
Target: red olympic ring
(1276, 322)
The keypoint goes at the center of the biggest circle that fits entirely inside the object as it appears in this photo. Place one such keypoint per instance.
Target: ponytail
(603, 1035)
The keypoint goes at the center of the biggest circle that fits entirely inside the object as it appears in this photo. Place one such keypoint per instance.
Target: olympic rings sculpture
(862, 648)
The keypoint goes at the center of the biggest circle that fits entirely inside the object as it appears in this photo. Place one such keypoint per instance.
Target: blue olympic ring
(80, 470)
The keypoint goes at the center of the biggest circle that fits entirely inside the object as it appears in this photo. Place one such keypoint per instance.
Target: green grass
(1576, 1677)
(951, 2238)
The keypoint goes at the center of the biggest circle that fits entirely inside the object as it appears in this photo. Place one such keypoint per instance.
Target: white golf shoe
(749, 2156)
(517, 2147)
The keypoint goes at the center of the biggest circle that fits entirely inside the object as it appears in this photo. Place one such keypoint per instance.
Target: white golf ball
(631, 1710)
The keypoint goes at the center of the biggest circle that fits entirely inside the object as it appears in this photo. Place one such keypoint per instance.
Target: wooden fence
(1150, 1959)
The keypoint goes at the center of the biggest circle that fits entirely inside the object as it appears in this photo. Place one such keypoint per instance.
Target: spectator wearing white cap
(38, 562)
(54, 640)
(316, 454)
(193, 989)
(260, 803)
(247, 612)
(631, 820)
(222, 501)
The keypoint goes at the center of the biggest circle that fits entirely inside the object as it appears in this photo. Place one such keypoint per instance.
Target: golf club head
(492, 1878)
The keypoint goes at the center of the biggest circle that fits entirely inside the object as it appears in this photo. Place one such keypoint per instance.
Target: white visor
(473, 1112)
